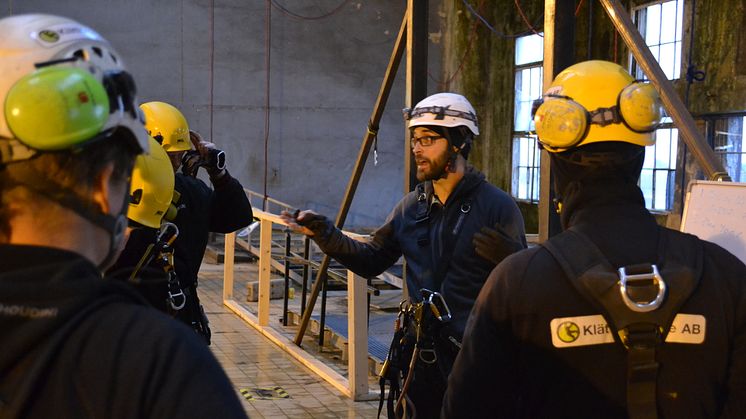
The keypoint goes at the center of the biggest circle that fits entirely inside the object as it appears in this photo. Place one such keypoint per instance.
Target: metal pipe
(287, 279)
(322, 317)
(371, 133)
(306, 268)
(705, 156)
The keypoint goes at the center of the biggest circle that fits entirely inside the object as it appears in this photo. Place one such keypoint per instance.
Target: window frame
(532, 181)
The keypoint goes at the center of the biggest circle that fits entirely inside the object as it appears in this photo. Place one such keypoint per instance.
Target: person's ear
(102, 188)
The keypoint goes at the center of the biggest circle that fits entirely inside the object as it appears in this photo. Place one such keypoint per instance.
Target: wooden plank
(357, 329)
(265, 259)
(230, 246)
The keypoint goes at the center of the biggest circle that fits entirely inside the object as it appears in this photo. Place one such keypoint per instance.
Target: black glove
(494, 245)
(190, 163)
(314, 222)
(214, 163)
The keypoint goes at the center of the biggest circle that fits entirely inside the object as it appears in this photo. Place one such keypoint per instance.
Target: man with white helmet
(616, 316)
(452, 230)
(74, 345)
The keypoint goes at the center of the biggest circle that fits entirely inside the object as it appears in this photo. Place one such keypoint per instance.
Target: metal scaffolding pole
(370, 135)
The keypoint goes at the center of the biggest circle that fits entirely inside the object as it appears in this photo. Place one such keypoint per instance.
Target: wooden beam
(416, 76)
(357, 333)
(230, 249)
(559, 53)
(265, 257)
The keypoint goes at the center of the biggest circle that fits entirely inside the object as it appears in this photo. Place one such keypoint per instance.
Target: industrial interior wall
(210, 59)
(479, 63)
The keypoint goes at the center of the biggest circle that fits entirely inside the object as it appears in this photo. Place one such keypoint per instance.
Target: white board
(716, 212)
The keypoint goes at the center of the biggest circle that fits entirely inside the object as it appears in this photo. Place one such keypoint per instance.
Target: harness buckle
(172, 299)
(437, 304)
(637, 280)
(431, 357)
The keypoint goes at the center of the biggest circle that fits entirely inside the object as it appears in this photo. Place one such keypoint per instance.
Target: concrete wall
(324, 78)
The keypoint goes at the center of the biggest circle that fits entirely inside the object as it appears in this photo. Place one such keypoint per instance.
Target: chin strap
(115, 225)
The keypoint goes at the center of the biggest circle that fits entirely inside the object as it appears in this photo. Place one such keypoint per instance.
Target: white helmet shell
(30, 39)
(444, 110)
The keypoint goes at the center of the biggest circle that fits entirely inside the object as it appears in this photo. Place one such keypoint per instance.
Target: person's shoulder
(184, 181)
(143, 328)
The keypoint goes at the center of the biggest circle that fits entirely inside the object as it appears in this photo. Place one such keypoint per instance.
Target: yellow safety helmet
(152, 187)
(167, 125)
(596, 101)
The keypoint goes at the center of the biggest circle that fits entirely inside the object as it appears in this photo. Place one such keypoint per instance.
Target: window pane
(529, 49)
(536, 80)
(677, 61)
(653, 25)
(655, 50)
(668, 22)
(649, 157)
(661, 189)
(674, 147)
(661, 25)
(522, 183)
(663, 148)
(667, 60)
(522, 116)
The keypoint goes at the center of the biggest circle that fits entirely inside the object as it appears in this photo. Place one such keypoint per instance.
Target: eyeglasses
(424, 141)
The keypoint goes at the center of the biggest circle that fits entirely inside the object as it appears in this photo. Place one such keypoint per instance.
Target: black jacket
(399, 236)
(509, 366)
(75, 345)
(201, 211)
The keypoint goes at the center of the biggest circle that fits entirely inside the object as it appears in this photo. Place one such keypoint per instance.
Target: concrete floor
(253, 362)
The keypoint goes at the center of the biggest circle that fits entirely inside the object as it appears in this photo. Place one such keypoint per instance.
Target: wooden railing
(355, 385)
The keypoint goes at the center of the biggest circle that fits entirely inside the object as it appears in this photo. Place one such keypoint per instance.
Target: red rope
(577, 9)
(525, 19)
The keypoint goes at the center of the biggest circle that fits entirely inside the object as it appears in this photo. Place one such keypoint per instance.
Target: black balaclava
(597, 174)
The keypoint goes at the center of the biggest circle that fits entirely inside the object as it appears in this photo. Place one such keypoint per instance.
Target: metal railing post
(287, 279)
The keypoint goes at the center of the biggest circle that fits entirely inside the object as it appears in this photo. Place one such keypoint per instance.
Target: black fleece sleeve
(366, 258)
(230, 209)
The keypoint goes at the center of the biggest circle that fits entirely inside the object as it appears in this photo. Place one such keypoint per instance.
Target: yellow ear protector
(60, 107)
(563, 123)
(56, 108)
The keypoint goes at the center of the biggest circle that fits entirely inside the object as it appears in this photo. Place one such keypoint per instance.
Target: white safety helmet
(41, 56)
(445, 110)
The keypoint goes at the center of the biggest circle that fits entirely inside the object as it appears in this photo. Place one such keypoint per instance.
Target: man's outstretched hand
(300, 221)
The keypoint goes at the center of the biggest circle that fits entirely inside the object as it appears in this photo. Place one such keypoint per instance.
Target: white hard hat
(444, 110)
(32, 43)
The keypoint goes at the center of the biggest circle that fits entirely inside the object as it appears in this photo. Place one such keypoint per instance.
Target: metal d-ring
(625, 279)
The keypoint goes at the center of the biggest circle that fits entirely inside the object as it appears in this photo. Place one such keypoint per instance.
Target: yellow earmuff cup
(640, 106)
(55, 108)
(560, 123)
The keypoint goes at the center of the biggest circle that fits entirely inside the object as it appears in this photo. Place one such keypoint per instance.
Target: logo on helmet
(49, 36)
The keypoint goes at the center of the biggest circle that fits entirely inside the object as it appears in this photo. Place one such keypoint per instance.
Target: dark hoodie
(509, 367)
(400, 233)
(74, 345)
